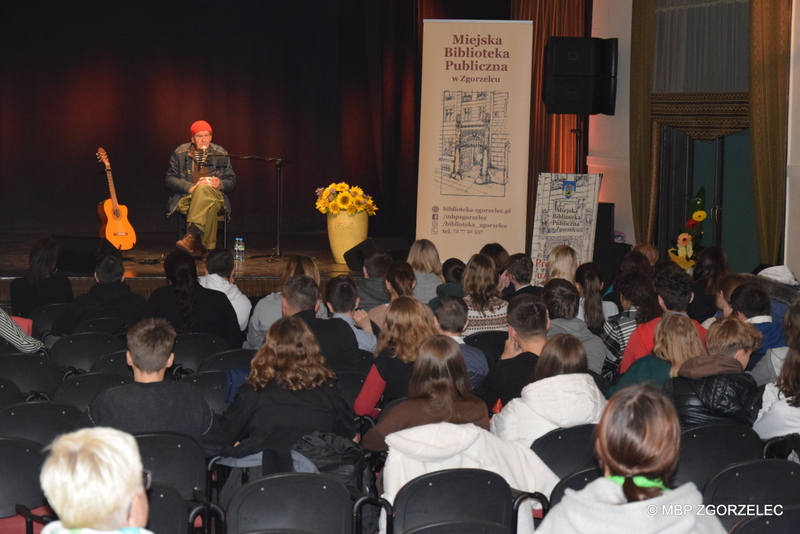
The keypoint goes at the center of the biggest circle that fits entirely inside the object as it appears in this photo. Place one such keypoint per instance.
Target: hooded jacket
(595, 348)
(559, 401)
(241, 304)
(601, 507)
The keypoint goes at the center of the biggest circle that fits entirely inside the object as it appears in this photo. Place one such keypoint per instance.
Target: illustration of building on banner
(566, 214)
(474, 144)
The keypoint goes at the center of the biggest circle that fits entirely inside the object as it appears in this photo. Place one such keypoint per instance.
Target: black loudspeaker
(396, 246)
(78, 255)
(580, 75)
(607, 254)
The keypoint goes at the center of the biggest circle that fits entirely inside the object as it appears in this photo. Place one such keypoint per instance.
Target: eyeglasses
(147, 479)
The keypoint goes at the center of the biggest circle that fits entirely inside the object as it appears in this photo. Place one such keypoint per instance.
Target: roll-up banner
(566, 214)
(474, 135)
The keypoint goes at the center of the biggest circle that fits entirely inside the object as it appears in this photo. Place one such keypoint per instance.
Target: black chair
(457, 496)
(274, 504)
(43, 318)
(168, 511)
(110, 325)
(77, 352)
(228, 359)
(20, 464)
(783, 446)
(177, 461)
(191, 349)
(759, 482)
(38, 421)
(785, 523)
(707, 449)
(115, 363)
(491, 342)
(9, 393)
(36, 376)
(567, 450)
(576, 481)
(460, 527)
(81, 390)
(7, 348)
(222, 217)
(213, 385)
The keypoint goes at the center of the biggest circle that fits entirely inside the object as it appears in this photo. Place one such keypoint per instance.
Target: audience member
(399, 281)
(11, 332)
(561, 394)
(109, 297)
(676, 341)
(437, 392)
(152, 404)
(710, 268)
(342, 301)
(714, 388)
(674, 289)
(41, 284)
(769, 367)
(268, 309)
(562, 262)
(452, 273)
(189, 307)
(487, 311)
(725, 287)
(424, 259)
(561, 298)
(371, 289)
(649, 251)
(750, 302)
(637, 444)
(640, 305)
(519, 272)
(633, 262)
(288, 394)
(408, 324)
(93, 480)
(450, 319)
(780, 404)
(498, 254)
(527, 335)
(221, 270)
(592, 308)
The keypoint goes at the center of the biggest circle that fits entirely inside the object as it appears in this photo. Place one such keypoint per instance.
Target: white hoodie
(559, 401)
(241, 304)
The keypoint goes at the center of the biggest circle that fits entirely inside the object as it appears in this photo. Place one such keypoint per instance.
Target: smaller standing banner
(566, 214)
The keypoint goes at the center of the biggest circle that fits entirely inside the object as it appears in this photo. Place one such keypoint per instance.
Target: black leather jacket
(725, 398)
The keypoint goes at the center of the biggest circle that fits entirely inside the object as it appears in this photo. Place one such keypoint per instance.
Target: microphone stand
(276, 251)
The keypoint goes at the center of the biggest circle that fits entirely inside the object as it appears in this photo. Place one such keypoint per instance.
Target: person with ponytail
(592, 308)
(637, 443)
(189, 307)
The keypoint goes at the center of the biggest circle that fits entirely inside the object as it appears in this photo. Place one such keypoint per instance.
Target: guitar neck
(111, 189)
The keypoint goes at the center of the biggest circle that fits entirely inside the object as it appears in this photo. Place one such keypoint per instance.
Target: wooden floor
(144, 267)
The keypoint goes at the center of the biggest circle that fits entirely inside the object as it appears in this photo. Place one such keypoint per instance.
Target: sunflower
(699, 216)
(342, 186)
(344, 200)
(334, 208)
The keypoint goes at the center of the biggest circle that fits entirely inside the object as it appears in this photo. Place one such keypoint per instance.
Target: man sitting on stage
(198, 177)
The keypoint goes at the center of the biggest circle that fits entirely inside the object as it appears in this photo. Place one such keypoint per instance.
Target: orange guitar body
(115, 226)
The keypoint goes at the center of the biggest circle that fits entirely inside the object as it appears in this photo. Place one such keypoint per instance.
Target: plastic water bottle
(238, 249)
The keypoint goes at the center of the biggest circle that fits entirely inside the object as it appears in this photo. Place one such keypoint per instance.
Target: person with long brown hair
(592, 308)
(780, 404)
(42, 284)
(561, 394)
(676, 341)
(399, 281)
(409, 323)
(637, 442)
(438, 392)
(710, 268)
(289, 393)
(487, 311)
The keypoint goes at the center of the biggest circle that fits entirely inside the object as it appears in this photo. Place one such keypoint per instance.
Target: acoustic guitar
(114, 224)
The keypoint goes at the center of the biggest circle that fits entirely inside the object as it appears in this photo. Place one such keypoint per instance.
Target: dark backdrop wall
(332, 86)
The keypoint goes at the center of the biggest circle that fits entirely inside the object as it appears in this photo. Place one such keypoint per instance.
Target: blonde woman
(562, 262)
(485, 309)
(676, 342)
(424, 259)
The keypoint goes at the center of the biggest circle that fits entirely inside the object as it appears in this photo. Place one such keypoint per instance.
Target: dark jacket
(102, 300)
(179, 174)
(713, 389)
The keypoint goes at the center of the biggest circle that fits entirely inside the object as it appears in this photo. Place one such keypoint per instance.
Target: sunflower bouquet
(687, 245)
(341, 197)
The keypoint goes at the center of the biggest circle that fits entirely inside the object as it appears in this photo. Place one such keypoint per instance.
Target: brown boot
(186, 244)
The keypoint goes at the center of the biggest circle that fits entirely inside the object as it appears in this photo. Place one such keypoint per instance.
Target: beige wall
(792, 243)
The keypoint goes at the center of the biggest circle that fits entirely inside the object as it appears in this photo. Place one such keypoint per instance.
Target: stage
(256, 276)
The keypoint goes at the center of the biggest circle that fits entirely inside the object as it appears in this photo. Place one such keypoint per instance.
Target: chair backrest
(706, 449)
(20, 464)
(38, 421)
(114, 363)
(213, 385)
(757, 482)
(785, 523)
(81, 390)
(567, 450)
(44, 315)
(80, 351)
(9, 393)
(191, 349)
(32, 373)
(492, 343)
(175, 460)
(109, 325)
(7, 348)
(460, 527)
(576, 481)
(168, 512)
(782, 446)
(289, 502)
(454, 495)
(233, 358)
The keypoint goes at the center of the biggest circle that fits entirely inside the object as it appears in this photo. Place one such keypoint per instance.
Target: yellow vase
(346, 231)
